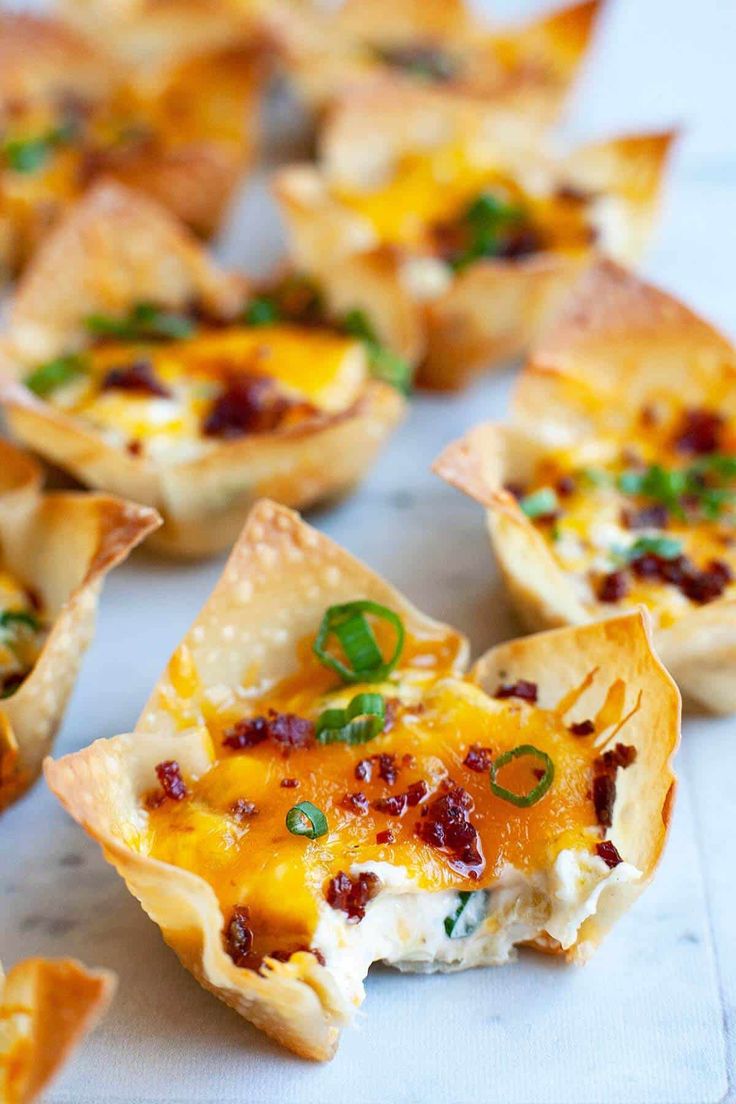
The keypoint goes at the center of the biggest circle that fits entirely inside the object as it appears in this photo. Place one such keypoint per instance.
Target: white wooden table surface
(653, 1017)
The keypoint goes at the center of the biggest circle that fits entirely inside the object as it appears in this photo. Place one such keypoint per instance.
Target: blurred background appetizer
(149, 372)
(55, 550)
(311, 787)
(183, 129)
(613, 485)
(483, 232)
(46, 1006)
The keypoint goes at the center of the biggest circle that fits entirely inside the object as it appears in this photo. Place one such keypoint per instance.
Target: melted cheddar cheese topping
(646, 520)
(437, 716)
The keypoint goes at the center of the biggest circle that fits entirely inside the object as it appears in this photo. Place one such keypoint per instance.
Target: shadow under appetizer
(55, 550)
(46, 1006)
(614, 484)
(317, 784)
(479, 233)
(69, 113)
(436, 46)
(149, 372)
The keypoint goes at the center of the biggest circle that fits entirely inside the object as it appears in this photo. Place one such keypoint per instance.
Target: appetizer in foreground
(434, 45)
(482, 233)
(149, 372)
(69, 113)
(55, 550)
(46, 1006)
(315, 785)
(614, 485)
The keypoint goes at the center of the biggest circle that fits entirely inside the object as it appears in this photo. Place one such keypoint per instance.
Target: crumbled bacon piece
(289, 783)
(648, 517)
(517, 490)
(604, 798)
(364, 770)
(622, 755)
(565, 486)
(609, 853)
(171, 781)
(416, 793)
(248, 404)
(138, 377)
(238, 936)
(134, 448)
(284, 956)
(582, 728)
(356, 802)
(387, 769)
(478, 758)
(526, 691)
(699, 432)
(573, 193)
(446, 825)
(242, 809)
(386, 836)
(395, 805)
(351, 895)
(286, 730)
(699, 586)
(613, 587)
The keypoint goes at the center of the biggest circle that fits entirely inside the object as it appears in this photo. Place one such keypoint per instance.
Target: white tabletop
(652, 1018)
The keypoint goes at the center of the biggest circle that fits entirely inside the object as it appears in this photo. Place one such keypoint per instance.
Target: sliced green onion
(348, 623)
(360, 722)
(10, 618)
(385, 364)
(55, 373)
(305, 819)
(488, 217)
(594, 477)
(523, 801)
(468, 915)
(540, 503)
(27, 156)
(144, 322)
(262, 310)
(667, 548)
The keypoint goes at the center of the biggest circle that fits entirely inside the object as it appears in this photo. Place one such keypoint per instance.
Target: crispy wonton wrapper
(528, 69)
(61, 545)
(619, 344)
(496, 307)
(46, 1007)
(280, 578)
(117, 248)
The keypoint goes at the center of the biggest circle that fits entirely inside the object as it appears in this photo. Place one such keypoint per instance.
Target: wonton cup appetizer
(483, 234)
(183, 131)
(614, 485)
(46, 1006)
(147, 371)
(437, 47)
(55, 550)
(316, 785)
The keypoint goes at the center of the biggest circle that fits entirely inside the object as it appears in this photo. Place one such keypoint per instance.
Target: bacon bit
(396, 805)
(447, 826)
(416, 793)
(573, 193)
(521, 243)
(526, 691)
(289, 783)
(171, 781)
(517, 490)
(364, 770)
(238, 936)
(284, 956)
(355, 802)
(604, 798)
(582, 728)
(699, 586)
(565, 486)
(386, 836)
(408, 760)
(138, 377)
(248, 404)
(134, 448)
(242, 809)
(699, 432)
(613, 587)
(478, 758)
(608, 852)
(649, 416)
(351, 895)
(648, 517)
(286, 730)
(387, 769)
(622, 755)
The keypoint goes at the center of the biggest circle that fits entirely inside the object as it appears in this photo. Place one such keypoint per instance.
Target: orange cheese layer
(281, 877)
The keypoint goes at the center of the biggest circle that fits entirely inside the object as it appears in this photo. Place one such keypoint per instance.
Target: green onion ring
(305, 819)
(348, 623)
(361, 721)
(523, 801)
